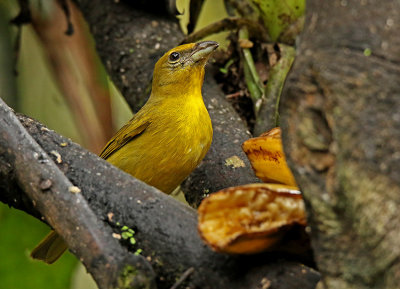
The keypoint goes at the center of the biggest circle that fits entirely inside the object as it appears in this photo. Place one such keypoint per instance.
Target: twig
(235, 94)
(184, 276)
(231, 23)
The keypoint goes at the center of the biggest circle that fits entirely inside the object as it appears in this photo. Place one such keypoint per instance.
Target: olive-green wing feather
(127, 133)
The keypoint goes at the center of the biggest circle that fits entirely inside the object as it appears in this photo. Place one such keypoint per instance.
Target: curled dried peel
(251, 218)
(268, 159)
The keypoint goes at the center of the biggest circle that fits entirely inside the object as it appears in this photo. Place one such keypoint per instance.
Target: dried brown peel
(268, 159)
(251, 218)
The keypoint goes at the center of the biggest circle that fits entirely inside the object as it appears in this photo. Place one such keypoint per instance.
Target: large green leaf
(279, 14)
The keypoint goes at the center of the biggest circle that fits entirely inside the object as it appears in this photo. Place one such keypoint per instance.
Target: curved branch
(66, 210)
(231, 23)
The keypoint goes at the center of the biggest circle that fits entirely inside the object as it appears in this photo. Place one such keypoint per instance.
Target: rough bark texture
(341, 133)
(64, 208)
(165, 229)
(117, 27)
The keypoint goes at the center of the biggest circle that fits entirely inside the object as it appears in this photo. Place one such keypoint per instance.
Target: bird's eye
(174, 56)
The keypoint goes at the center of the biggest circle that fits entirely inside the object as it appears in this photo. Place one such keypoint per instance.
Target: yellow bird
(165, 141)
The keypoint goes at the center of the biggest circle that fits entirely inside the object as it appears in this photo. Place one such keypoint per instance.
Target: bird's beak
(203, 50)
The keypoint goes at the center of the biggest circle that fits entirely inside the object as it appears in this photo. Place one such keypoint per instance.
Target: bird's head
(182, 68)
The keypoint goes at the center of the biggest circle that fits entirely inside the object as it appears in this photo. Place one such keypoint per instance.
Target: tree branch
(166, 230)
(66, 210)
(230, 23)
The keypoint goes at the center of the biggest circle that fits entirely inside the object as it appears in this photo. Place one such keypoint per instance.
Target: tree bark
(130, 38)
(340, 115)
(165, 229)
(60, 204)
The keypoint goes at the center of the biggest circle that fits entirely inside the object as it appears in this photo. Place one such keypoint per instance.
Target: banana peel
(268, 159)
(251, 218)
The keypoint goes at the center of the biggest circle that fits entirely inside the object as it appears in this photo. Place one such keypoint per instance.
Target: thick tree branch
(66, 210)
(165, 229)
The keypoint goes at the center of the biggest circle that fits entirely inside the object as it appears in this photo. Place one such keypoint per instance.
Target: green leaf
(279, 14)
(252, 79)
(126, 235)
(367, 52)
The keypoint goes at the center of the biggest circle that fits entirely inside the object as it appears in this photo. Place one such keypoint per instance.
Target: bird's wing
(127, 133)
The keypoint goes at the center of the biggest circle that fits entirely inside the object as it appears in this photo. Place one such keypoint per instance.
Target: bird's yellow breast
(176, 140)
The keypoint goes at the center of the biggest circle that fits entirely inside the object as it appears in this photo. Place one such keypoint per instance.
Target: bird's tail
(50, 248)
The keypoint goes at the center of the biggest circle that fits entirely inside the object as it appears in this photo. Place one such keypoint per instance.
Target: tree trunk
(341, 118)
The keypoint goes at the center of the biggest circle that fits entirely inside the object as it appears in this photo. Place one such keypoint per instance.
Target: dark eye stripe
(174, 56)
